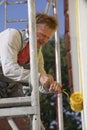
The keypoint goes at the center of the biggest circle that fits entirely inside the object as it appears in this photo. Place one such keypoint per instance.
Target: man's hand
(47, 81)
(55, 87)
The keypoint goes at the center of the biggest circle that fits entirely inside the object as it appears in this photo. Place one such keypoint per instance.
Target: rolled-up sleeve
(41, 70)
(41, 62)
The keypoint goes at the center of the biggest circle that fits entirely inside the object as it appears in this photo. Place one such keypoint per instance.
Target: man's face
(44, 33)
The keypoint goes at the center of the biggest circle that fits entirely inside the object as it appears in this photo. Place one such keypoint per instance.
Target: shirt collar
(25, 36)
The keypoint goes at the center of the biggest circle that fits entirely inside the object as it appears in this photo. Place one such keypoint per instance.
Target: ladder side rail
(58, 71)
(6, 14)
(1, 2)
(42, 126)
(12, 123)
(33, 63)
(49, 2)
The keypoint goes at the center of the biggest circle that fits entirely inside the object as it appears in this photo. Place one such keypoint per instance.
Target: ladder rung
(18, 111)
(17, 2)
(20, 20)
(15, 101)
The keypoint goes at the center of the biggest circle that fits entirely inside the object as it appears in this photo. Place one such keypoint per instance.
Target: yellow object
(76, 101)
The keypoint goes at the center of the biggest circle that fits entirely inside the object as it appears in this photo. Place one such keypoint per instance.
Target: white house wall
(73, 41)
(78, 35)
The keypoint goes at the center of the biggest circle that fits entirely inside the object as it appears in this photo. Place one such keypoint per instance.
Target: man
(14, 57)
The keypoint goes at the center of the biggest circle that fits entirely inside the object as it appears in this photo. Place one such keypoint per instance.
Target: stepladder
(17, 113)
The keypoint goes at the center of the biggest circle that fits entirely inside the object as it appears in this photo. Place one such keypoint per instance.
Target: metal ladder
(17, 108)
(28, 105)
(7, 4)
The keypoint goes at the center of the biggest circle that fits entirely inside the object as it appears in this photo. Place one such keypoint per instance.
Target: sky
(19, 11)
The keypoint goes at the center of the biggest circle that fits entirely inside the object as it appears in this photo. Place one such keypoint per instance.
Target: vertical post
(33, 63)
(48, 6)
(58, 72)
(12, 123)
(5, 24)
(1, 2)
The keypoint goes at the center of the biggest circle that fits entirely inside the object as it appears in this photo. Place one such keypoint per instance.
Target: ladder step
(18, 111)
(17, 2)
(20, 20)
(15, 101)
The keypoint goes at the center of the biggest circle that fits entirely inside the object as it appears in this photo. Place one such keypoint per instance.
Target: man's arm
(49, 84)
(46, 81)
(9, 48)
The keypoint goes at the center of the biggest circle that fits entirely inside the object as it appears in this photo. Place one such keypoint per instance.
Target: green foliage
(48, 112)
(48, 101)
